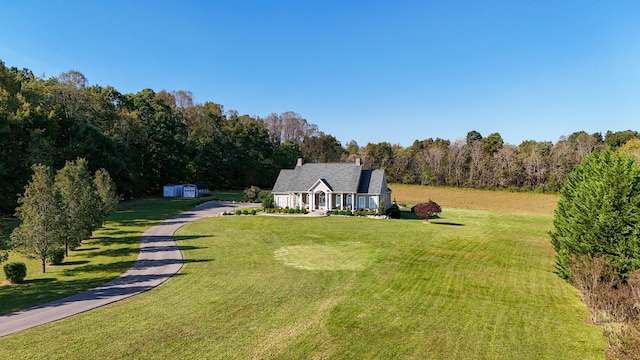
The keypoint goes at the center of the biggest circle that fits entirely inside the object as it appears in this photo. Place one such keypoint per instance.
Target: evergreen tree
(40, 229)
(598, 214)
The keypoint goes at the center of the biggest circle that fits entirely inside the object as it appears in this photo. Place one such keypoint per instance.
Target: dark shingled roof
(340, 177)
(371, 182)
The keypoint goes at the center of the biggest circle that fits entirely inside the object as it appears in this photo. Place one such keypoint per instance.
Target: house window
(349, 201)
(339, 201)
(361, 202)
(372, 203)
(322, 199)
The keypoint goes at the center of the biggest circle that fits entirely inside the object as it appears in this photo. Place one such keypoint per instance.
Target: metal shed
(185, 190)
(172, 190)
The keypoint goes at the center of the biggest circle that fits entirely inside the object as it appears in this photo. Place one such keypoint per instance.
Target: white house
(331, 186)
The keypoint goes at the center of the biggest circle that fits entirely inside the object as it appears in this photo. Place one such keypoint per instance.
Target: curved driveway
(159, 259)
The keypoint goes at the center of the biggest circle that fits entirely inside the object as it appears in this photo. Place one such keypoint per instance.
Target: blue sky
(370, 71)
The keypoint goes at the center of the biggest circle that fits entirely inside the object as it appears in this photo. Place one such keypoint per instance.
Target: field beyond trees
(526, 203)
(472, 284)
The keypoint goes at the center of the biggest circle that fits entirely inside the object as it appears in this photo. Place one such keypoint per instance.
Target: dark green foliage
(15, 271)
(245, 212)
(394, 212)
(238, 212)
(322, 148)
(56, 256)
(619, 138)
(427, 210)
(599, 214)
(253, 212)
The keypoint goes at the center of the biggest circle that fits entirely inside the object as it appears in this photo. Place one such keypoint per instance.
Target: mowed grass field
(526, 203)
(474, 284)
(111, 251)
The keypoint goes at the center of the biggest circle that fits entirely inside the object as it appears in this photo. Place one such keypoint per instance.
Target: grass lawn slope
(110, 252)
(471, 285)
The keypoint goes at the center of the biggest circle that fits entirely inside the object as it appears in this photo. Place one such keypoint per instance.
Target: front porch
(323, 200)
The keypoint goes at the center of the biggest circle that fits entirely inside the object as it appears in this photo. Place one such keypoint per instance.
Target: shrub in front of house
(245, 212)
(238, 212)
(365, 212)
(360, 212)
(253, 212)
(267, 199)
(394, 212)
(15, 272)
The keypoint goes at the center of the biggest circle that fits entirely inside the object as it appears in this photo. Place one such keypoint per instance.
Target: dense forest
(149, 138)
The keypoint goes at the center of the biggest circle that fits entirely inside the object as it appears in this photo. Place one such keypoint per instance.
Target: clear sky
(370, 71)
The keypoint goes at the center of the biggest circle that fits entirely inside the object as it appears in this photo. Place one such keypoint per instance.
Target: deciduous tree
(39, 210)
(107, 193)
(427, 210)
(80, 206)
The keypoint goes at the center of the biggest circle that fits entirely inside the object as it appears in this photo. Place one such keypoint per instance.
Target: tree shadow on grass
(192, 237)
(446, 223)
(38, 281)
(70, 263)
(86, 249)
(407, 215)
(38, 291)
(107, 240)
(114, 267)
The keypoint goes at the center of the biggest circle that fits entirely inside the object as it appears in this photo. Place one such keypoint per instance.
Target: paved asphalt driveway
(159, 259)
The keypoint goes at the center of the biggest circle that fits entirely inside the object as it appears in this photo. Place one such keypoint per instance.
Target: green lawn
(473, 284)
(110, 252)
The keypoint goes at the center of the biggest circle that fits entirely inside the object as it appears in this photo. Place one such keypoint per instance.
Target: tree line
(487, 162)
(148, 139)
(59, 210)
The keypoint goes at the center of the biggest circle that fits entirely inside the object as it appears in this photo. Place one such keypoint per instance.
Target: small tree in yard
(79, 204)
(427, 210)
(106, 191)
(382, 208)
(39, 210)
